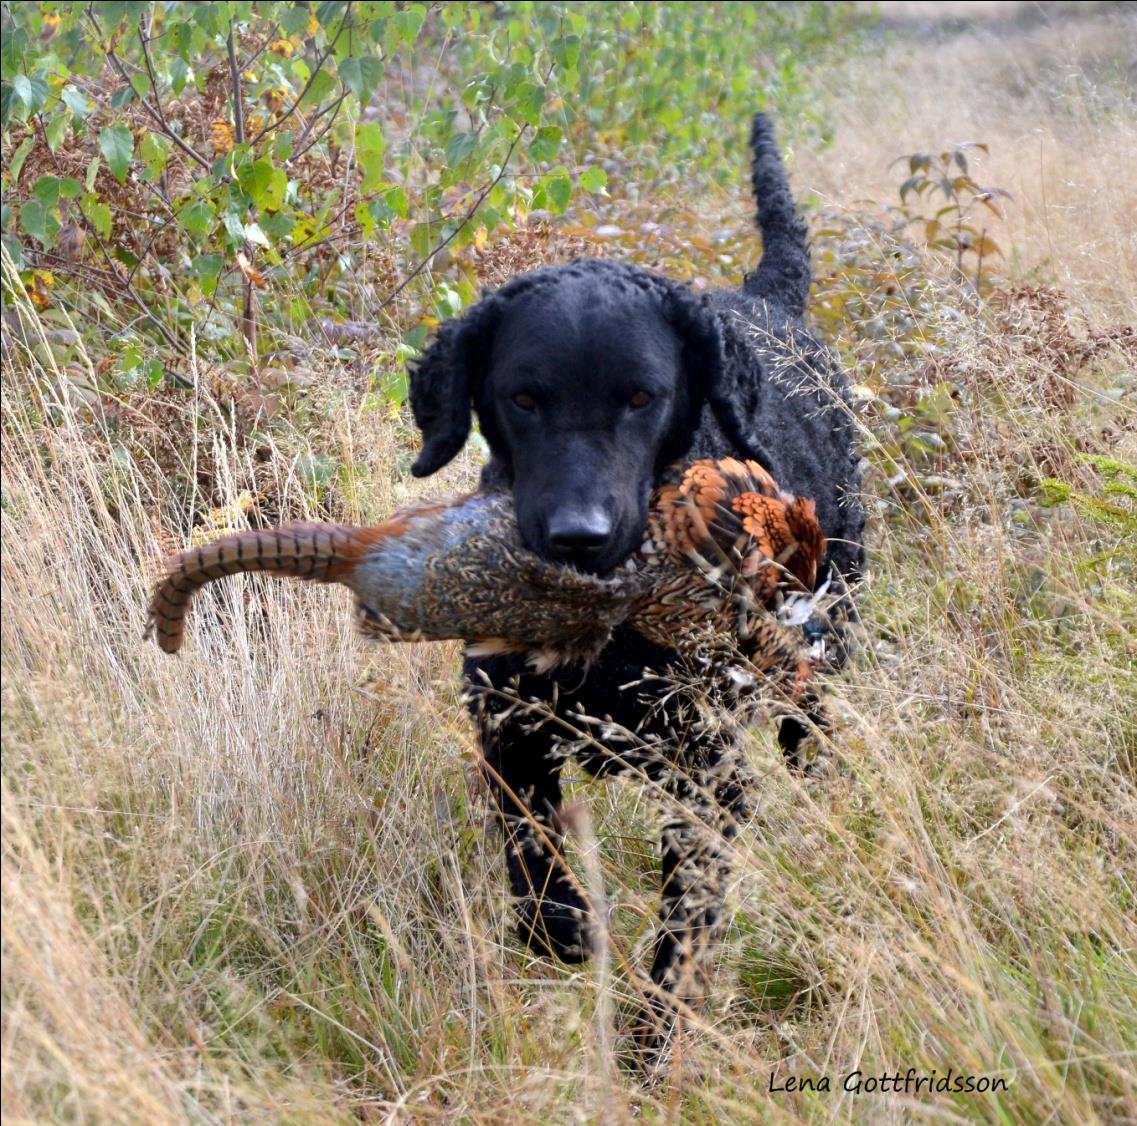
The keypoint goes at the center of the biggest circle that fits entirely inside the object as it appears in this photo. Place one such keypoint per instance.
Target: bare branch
(235, 79)
(333, 108)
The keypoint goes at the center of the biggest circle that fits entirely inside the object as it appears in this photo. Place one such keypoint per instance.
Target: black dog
(589, 380)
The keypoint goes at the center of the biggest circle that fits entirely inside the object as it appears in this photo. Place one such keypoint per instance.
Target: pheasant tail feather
(321, 552)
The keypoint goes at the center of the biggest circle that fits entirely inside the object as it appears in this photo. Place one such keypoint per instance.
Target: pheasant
(727, 564)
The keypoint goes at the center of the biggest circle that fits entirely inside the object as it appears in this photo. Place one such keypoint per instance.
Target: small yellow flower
(281, 47)
(222, 136)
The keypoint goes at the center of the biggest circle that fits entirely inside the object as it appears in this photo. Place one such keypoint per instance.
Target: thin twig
(271, 37)
(333, 108)
(307, 85)
(235, 79)
(249, 312)
(80, 268)
(155, 113)
(473, 209)
(469, 214)
(311, 242)
(154, 236)
(143, 308)
(144, 41)
(156, 191)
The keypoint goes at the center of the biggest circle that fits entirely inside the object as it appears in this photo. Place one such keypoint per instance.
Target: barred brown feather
(322, 552)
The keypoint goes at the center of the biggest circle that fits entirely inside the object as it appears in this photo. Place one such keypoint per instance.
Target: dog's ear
(445, 380)
(709, 375)
(440, 398)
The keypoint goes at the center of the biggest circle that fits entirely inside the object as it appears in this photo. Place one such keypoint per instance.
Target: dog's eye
(640, 400)
(525, 402)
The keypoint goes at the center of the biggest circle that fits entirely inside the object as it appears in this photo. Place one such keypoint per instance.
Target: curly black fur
(733, 372)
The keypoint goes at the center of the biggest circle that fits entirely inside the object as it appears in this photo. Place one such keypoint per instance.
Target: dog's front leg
(522, 766)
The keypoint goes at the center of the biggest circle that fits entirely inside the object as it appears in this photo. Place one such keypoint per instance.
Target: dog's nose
(579, 533)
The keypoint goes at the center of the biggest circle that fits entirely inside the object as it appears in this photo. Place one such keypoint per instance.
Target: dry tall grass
(1049, 92)
(257, 883)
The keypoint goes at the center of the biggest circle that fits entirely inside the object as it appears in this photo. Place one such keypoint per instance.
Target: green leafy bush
(226, 172)
(953, 226)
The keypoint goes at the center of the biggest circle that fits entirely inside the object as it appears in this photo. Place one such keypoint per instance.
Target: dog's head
(587, 381)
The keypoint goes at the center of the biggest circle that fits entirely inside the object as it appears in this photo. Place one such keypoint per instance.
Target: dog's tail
(782, 276)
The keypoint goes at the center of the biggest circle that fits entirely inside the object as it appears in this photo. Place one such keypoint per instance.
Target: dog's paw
(653, 1051)
(556, 929)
